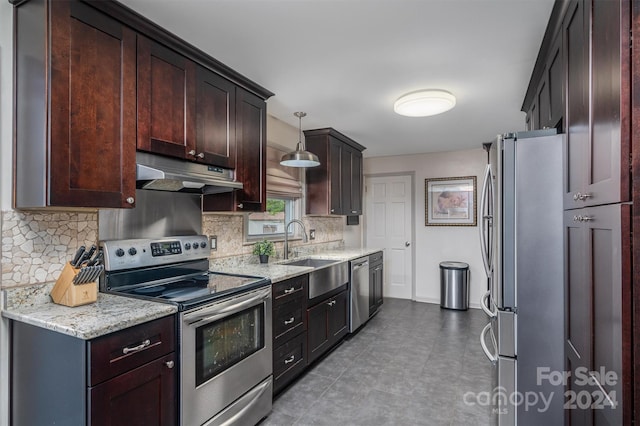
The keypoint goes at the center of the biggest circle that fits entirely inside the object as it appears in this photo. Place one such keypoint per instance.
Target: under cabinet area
(335, 186)
(126, 377)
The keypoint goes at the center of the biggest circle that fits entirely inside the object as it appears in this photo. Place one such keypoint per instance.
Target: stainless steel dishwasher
(359, 282)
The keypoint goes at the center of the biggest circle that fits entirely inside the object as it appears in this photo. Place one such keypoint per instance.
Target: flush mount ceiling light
(300, 157)
(424, 103)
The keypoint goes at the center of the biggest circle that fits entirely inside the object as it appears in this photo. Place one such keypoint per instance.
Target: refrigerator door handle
(484, 304)
(485, 349)
(482, 228)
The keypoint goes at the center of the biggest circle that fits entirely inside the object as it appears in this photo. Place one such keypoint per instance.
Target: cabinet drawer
(124, 350)
(289, 361)
(288, 320)
(375, 257)
(290, 289)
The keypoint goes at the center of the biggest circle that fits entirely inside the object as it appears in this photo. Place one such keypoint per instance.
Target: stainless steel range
(224, 328)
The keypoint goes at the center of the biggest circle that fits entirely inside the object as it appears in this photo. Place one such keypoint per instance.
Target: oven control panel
(137, 253)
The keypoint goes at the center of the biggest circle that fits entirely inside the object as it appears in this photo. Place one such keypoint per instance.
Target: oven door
(226, 351)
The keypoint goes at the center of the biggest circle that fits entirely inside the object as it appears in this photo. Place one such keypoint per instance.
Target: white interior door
(388, 225)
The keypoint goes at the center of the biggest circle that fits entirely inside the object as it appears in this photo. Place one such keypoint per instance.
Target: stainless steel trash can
(454, 285)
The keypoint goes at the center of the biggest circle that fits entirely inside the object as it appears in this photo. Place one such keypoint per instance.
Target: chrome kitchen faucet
(286, 235)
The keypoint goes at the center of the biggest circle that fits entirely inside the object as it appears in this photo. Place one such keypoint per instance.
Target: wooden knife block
(65, 292)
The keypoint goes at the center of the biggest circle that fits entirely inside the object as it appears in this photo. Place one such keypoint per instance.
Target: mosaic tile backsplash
(36, 245)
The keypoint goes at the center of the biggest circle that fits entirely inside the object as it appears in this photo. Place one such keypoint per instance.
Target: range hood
(167, 174)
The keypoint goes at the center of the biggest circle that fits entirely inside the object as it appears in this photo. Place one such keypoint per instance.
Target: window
(270, 224)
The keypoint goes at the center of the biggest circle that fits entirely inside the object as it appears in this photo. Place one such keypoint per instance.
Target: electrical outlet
(213, 242)
(312, 234)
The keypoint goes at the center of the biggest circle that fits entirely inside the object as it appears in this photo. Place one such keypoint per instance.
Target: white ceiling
(345, 62)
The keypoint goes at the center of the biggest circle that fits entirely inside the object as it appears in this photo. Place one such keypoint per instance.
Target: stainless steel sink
(314, 263)
(327, 274)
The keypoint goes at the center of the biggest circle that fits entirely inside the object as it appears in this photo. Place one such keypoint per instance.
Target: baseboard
(436, 301)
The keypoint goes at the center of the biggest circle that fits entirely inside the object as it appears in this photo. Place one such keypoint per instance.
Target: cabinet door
(356, 182)
(251, 114)
(606, 180)
(317, 331)
(143, 396)
(596, 289)
(555, 78)
(92, 108)
(335, 175)
(576, 40)
(338, 317)
(215, 119)
(378, 285)
(166, 100)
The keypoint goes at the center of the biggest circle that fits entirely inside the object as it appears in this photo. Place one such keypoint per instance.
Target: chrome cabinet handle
(289, 290)
(201, 155)
(240, 206)
(130, 200)
(290, 360)
(333, 302)
(578, 196)
(137, 348)
(354, 211)
(289, 321)
(169, 364)
(333, 210)
(192, 152)
(580, 218)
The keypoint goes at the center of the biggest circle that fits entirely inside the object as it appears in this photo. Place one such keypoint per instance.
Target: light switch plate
(213, 242)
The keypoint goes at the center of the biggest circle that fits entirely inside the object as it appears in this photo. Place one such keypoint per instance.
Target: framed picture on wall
(450, 201)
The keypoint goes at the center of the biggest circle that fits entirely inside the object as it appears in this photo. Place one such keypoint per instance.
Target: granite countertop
(280, 271)
(108, 314)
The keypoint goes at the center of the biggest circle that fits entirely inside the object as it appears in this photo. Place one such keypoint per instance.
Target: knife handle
(78, 255)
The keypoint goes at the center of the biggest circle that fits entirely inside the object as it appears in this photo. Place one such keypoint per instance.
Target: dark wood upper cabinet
(166, 100)
(251, 160)
(215, 119)
(82, 88)
(335, 186)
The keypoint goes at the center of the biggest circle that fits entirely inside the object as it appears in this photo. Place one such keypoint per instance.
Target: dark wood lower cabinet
(376, 274)
(143, 396)
(328, 323)
(598, 301)
(124, 378)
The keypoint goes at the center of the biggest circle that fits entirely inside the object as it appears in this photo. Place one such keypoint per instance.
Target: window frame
(295, 207)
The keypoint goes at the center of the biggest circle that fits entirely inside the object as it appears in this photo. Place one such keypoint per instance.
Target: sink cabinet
(328, 323)
(335, 186)
(289, 330)
(126, 377)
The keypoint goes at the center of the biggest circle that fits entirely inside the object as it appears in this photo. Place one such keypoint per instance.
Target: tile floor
(411, 364)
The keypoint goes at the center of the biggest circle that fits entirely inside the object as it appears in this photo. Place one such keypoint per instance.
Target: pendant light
(300, 157)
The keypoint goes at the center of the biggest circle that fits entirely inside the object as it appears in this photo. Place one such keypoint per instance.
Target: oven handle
(213, 313)
(259, 390)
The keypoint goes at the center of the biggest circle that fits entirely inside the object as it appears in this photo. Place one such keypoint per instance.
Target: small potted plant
(264, 249)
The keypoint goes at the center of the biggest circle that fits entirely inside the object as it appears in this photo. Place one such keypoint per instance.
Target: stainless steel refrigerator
(521, 237)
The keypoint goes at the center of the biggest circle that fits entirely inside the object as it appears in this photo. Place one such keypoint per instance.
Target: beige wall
(434, 244)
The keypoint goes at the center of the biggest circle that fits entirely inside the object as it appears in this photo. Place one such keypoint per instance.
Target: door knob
(407, 244)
